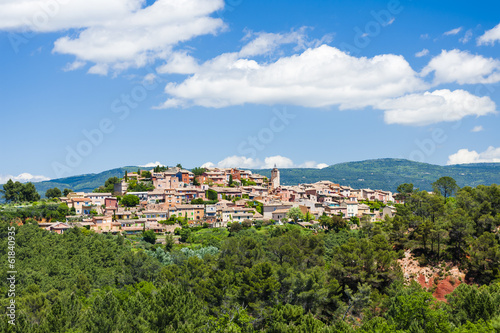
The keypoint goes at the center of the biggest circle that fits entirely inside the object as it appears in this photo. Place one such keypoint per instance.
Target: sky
(87, 85)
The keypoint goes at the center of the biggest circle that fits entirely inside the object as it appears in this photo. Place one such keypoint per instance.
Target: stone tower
(275, 178)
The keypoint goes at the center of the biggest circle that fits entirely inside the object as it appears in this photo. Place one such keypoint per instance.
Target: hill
(384, 174)
(388, 173)
(83, 183)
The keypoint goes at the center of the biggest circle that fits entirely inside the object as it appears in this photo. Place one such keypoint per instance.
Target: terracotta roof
(60, 225)
(280, 211)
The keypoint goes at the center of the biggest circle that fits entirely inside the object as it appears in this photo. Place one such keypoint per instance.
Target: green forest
(264, 277)
(387, 173)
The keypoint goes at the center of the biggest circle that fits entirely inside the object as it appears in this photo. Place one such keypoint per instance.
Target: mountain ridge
(383, 174)
(388, 173)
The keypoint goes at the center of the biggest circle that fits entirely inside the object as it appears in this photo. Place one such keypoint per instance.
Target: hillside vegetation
(265, 278)
(387, 174)
(83, 183)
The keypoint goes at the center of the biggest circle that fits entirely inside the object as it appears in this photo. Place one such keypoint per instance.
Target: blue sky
(87, 87)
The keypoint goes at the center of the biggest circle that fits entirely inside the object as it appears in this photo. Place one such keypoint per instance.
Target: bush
(422, 260)
(246, 224)
(130, 200)
(149, 236)
(234, 227)
(169, 242)
(185, 234)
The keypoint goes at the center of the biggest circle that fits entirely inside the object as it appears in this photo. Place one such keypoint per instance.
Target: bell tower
(275, 178)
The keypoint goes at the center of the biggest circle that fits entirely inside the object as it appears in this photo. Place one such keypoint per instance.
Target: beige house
(363, 209)
(82, 206)
(279, 214)
(98, 199)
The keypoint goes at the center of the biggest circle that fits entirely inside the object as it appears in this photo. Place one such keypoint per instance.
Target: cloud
(151, 164)
(208, 165)
(60, 15)
(453, 31)
(179, 63)
(490, 36)
(422, 53)
(74, 66)
(321, 76)
(324, 76)
(463, 68)
(267, 43)
(433, 107)
(149, 79)
(23, 178)
(477, 129)
(466, 38)
(464, 156)
(115, 34)
(267, 163)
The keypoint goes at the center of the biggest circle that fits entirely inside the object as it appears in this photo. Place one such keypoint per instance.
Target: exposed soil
(439, 280)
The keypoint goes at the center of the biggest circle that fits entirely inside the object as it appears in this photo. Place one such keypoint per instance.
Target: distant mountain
(383, 174)
(83, 183)
(388, 173)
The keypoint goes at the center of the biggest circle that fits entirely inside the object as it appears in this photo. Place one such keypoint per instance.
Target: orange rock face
(427, 276)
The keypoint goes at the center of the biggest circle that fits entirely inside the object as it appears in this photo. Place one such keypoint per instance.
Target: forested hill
(388, 173)
(261, 277)
(385, 174)
(84, 183)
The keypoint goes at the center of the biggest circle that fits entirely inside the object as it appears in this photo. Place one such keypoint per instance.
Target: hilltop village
(214, 197)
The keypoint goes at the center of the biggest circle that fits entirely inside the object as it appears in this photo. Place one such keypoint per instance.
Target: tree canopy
(53, 193)
(295, 214)
(447, 186)
(130, 200)
(261, 277)
(19, 192)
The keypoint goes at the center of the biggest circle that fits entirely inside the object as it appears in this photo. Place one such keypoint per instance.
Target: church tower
(275, 178)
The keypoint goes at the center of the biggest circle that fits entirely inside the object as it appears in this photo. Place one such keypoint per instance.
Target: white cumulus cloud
(463, 68)
(58, 15)
(179, 63)
(208, 165)
(464, 156)
(324, 76)
(434, 107)
(256, 163)
(23, 178)
(490, 36)
(114, 34)
(152, 164)
(318, 77)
